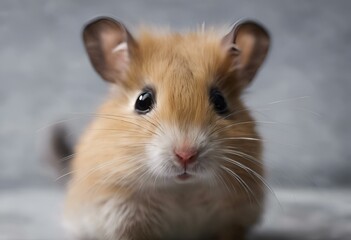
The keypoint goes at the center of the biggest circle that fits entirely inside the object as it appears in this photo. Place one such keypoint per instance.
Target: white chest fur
(161, 215)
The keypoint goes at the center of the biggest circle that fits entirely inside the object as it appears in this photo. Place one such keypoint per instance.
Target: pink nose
(186, 155)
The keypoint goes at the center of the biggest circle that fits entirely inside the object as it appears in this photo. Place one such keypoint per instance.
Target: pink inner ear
(232, 50)
(120, 57)
(109, 46)
(120, 47)
(234, 54)
(246, 42)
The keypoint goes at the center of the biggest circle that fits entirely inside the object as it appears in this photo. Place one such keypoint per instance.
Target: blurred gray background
(301, 96)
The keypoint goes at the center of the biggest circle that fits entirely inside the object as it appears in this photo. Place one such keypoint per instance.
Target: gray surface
(291, 215)
(304, 87)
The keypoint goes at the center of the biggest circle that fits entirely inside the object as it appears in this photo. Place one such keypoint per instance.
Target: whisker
(106, 146)
(104, 116)
(244, 155)
(256, 139)
(158, 126)
(288, 100)
(218, 130)
(64, 175)
(50, 125)
(116, 174)
(247, 169)
(308, 111)
(98, 167)
(263, 107)
(141, 179)
(245, 186)
(270, 103)
(218, 176)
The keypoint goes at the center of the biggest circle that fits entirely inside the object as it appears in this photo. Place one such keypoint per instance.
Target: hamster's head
(175, 115)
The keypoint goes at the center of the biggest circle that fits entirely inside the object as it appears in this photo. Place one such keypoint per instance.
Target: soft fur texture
(125, 183)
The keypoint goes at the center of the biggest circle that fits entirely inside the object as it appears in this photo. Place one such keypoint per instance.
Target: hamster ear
(109, 46)
(247, 45)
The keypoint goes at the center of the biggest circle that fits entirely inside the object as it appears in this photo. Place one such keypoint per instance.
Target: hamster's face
(190, 109)
(175, 115)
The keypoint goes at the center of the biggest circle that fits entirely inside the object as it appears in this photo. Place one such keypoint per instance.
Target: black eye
(145, 102)
(218, 101)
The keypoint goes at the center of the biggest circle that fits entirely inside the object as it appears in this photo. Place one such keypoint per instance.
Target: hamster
(172, 153)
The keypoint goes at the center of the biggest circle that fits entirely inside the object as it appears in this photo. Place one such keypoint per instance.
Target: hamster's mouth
(184, 176)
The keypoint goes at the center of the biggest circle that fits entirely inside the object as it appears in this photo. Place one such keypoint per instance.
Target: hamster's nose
(186, 155)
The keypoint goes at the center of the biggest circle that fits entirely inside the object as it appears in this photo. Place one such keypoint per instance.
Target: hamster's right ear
(110, 48)
(247, 44)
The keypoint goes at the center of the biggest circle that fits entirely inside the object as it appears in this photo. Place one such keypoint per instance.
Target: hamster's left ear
(247, 45)
(110, 48)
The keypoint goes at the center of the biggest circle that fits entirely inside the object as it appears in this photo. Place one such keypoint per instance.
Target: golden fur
(110, 157)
